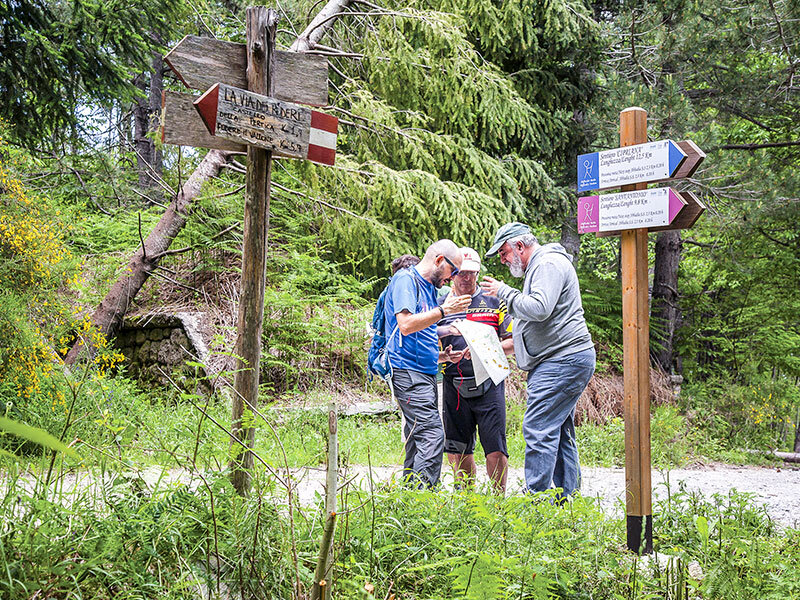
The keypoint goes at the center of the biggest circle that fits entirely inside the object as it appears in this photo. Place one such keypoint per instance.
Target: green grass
(157, 429)
(126, 539)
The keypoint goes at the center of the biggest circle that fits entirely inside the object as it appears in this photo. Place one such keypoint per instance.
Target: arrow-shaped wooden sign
(688, 216)
(694, 156)
(640, 163)
(685, 219)
(284, 128)
(200, 62)
(628, 210)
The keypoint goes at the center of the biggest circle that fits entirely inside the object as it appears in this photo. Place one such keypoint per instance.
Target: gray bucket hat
(505, 233)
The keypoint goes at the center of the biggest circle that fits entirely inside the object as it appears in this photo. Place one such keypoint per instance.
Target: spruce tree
(456, 116)
(60, 56)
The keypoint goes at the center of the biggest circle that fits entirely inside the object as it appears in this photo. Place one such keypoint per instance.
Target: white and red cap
(470, 260)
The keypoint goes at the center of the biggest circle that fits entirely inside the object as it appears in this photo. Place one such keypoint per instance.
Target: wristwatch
(441, 310)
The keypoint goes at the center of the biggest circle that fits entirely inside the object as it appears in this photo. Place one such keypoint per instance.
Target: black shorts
(461, 415)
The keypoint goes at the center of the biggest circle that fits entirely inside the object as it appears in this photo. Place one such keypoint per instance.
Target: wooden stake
(636, 358)
(331, 485)
(261, 29)
(332, 478)
(321, 580)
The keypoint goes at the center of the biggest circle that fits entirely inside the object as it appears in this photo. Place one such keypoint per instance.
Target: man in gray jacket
(552, 343)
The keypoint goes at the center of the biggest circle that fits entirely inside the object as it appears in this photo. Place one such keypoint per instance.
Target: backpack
(378, 355)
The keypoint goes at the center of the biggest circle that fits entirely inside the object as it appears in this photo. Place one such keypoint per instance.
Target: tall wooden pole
(261, 29)
(636, 359)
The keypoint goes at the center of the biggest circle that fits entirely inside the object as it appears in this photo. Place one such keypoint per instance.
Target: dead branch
(759, 146)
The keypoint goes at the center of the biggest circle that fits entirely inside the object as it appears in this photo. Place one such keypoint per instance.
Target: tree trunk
(156, 88)
(797, 435)
(570, 238)
(665, 310)
(141, 123)
(145, 114)
(108, 316)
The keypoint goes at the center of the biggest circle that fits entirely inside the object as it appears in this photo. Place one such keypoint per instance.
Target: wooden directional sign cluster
(203, 63)
(656, 209)
(256, 100)
(631, 213)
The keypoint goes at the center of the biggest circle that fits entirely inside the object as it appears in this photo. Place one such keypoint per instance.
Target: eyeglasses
(454, 268)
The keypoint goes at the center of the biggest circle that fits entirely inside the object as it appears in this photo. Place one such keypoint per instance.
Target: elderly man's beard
(515, 265)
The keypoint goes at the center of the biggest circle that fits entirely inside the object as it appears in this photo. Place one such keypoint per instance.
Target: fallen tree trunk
(792, 457)
(108, 316)
(319, 26)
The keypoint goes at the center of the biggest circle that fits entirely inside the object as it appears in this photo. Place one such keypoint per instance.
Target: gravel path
(777, 489)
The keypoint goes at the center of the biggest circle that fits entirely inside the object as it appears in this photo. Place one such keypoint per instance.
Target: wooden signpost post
(631, 213)
(265, 118)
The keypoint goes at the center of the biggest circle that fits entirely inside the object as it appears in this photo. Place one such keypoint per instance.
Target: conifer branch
(370, 4)
(370, 121)
(319, 201)
(336, 53)
(791, 246)
(736, 112)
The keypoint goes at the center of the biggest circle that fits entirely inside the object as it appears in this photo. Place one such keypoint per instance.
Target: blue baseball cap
(507, 232)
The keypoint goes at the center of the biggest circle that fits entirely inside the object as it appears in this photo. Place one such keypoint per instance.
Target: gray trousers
(416, 395)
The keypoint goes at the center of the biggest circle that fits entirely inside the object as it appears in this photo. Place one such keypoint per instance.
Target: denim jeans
(417, 396)
(551, 454)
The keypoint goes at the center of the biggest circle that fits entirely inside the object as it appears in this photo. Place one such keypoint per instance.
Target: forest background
(455, 117)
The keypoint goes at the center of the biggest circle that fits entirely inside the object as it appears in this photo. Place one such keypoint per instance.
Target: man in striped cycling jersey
(467, 405)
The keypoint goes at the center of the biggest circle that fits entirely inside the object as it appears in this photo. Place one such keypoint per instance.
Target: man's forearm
(532, 307)
(408, 323)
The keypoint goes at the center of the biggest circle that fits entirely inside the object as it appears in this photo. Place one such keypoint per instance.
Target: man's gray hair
(443, 247)
(527, 239)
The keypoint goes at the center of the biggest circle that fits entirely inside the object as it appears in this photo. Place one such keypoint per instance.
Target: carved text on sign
(262, 121)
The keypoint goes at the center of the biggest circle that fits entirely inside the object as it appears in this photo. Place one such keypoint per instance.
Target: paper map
(488, 358)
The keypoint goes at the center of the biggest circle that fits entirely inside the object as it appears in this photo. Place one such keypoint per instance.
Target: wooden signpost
(631, 213)
(265, 118)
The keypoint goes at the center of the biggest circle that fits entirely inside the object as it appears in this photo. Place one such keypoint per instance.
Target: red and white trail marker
(322, 138)
(285, 128)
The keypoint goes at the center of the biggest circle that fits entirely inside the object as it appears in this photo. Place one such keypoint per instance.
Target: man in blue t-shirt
(412, 312)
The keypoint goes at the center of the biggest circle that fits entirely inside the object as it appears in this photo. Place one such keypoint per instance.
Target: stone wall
(157, 347)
